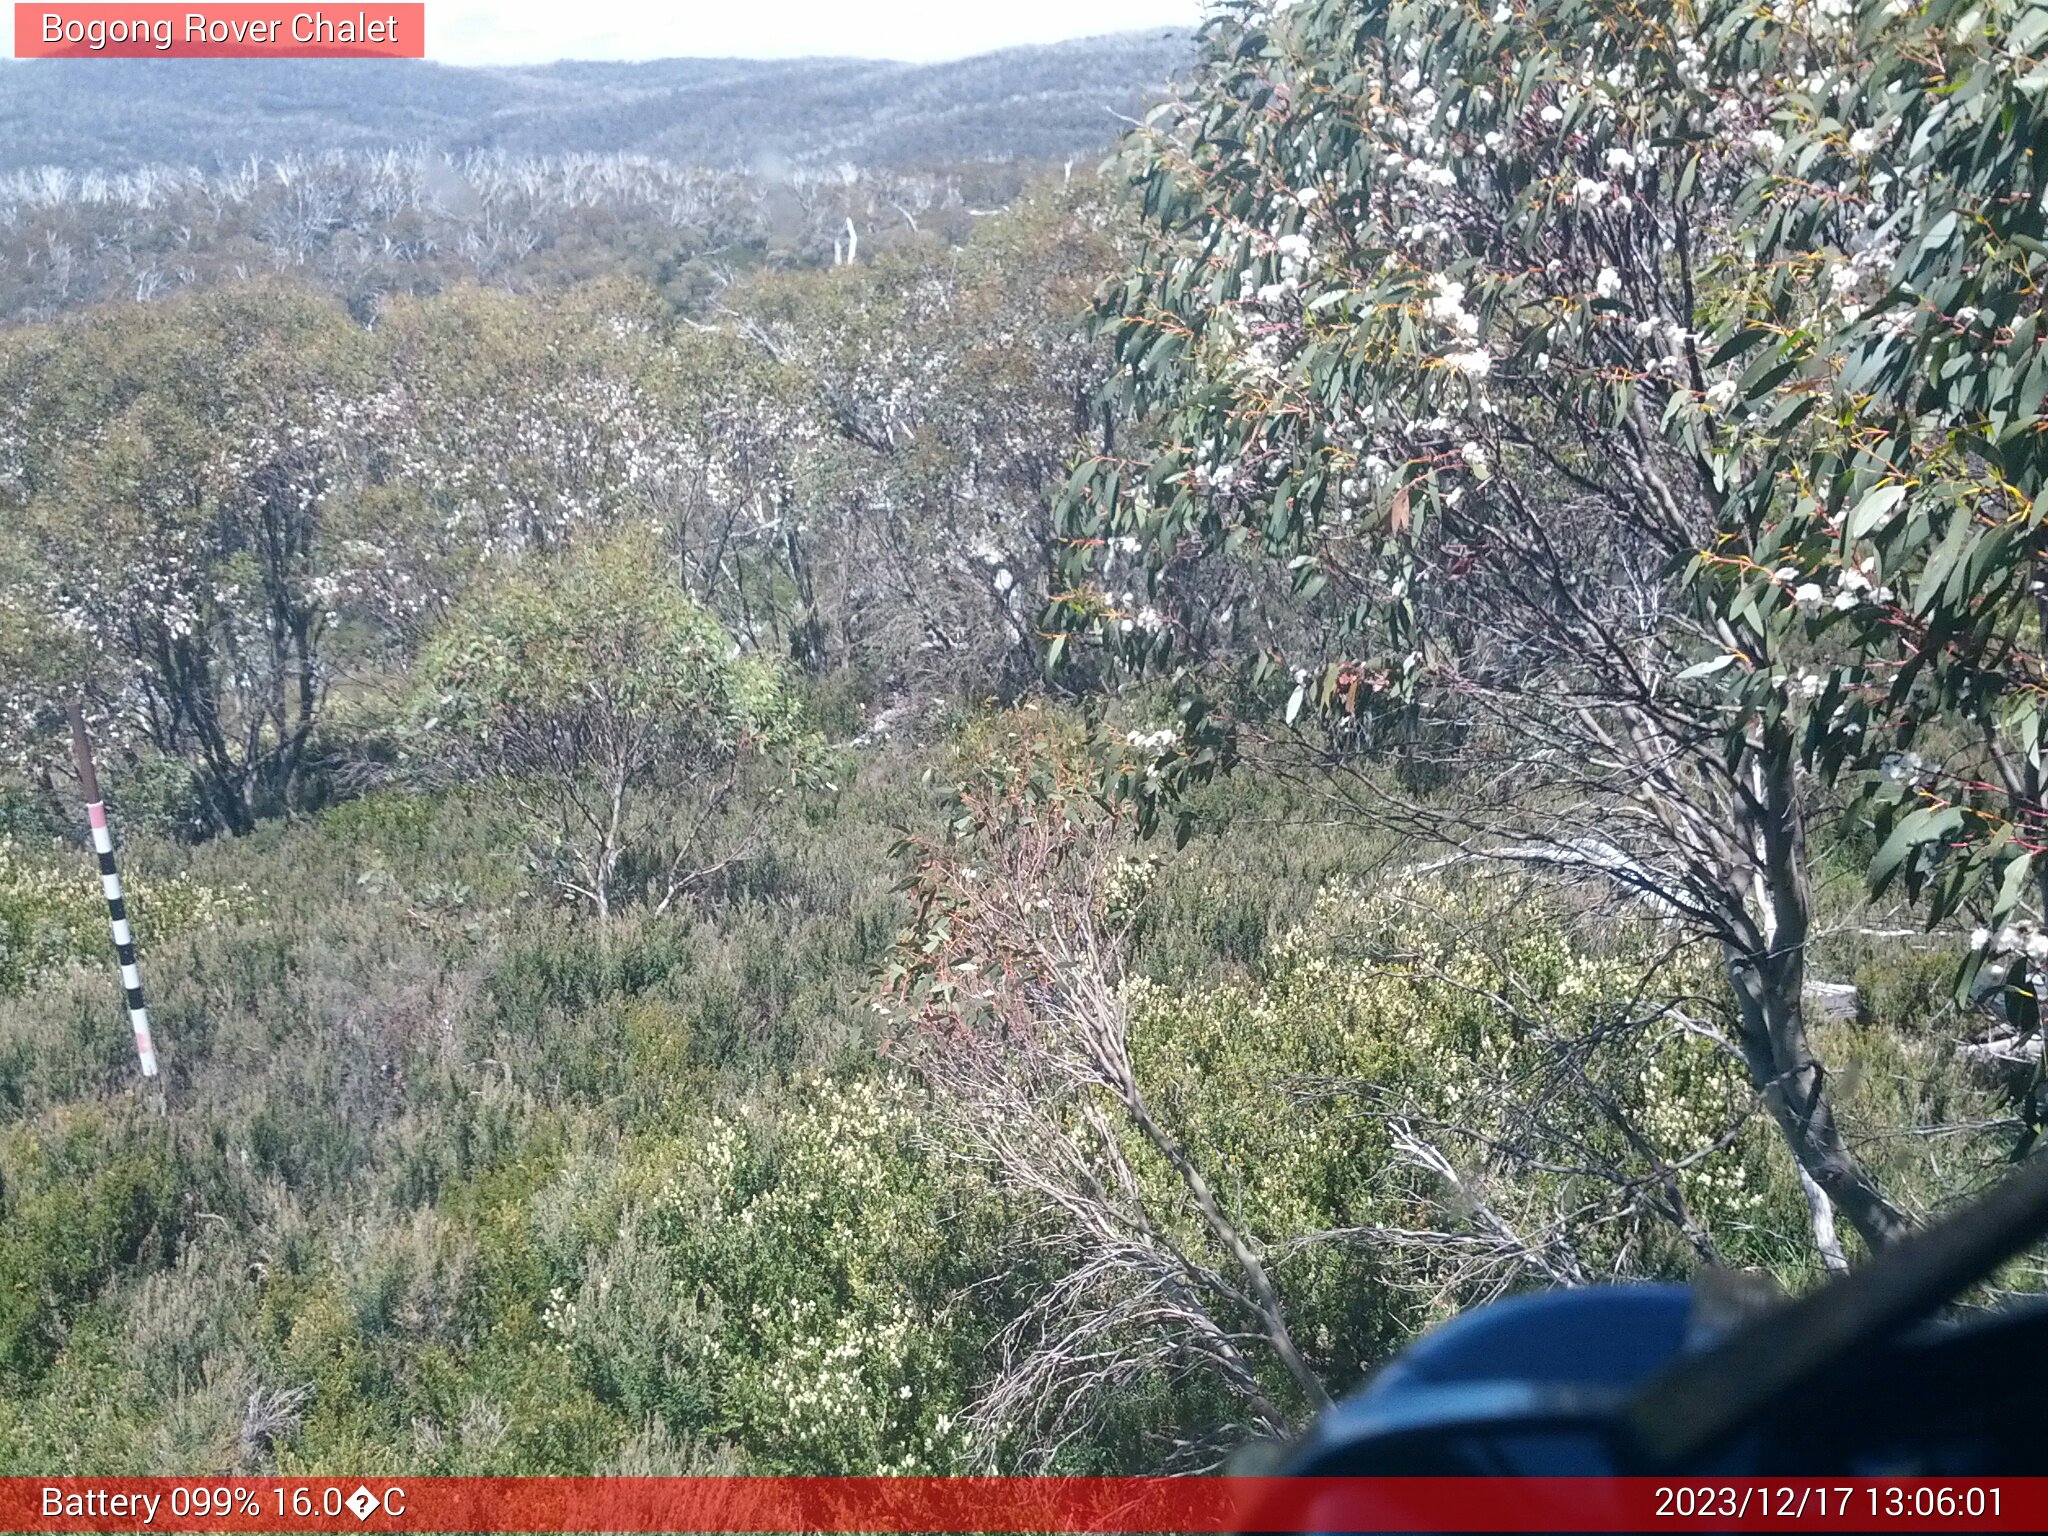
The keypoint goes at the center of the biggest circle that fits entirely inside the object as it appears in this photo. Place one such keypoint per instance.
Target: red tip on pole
(110, 885)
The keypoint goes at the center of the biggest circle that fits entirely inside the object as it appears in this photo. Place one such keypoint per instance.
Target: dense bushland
(649, 824)
(451, 1180)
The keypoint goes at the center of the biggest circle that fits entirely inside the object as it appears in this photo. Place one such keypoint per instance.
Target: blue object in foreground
(1527, 1387)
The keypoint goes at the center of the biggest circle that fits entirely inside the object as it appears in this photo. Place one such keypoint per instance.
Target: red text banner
(239, 31)
(1092, 1505)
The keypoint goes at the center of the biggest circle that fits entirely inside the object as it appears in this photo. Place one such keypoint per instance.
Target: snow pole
(110, 882)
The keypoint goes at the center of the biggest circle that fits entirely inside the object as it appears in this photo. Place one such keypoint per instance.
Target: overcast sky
(534, 31)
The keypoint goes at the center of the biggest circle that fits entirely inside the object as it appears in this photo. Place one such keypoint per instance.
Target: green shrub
(805, 1291)
(1484, 1020)
(83, 1200)
(52, 911)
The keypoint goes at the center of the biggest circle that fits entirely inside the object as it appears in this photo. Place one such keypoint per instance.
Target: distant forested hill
(1025, 103)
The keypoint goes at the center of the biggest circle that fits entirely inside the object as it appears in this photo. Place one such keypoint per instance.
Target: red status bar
(1093, 1505)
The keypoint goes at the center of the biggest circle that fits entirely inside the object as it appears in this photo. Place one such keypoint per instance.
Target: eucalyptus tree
(1488, 357)
(942, 391)
(611, 713)
(1882, 453)
(166, 532)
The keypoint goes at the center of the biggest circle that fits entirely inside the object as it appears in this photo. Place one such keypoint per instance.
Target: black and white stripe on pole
(110, 882)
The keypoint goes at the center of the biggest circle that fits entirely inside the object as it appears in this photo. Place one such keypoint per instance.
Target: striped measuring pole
(110, 882)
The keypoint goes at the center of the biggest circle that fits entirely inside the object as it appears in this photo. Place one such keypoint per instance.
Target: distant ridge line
(1030, 103)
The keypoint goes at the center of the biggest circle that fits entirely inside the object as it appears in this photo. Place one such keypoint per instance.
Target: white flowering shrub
(507, 427)
(53, 913)
(811, 1240)
(1125, 887)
